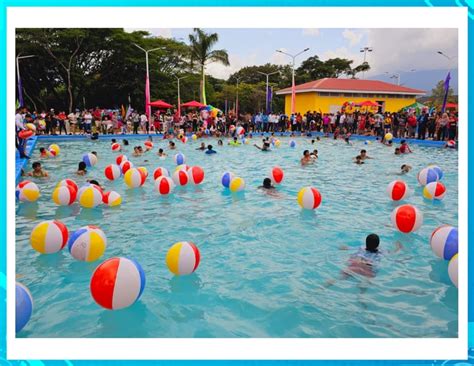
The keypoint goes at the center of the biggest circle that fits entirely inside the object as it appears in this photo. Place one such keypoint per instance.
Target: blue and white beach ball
(292, 143)
(227, 178)
(179, 159)
(444, 241)
(87, 244)
(89, 159)
(23, 306)
(428, 175)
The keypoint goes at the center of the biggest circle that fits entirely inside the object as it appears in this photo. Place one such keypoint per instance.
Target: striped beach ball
(68, 182)
(183, 167)
(112, 172)
(397, 190)
(444, 241)
(434, 191)
(117, 283)
(89, 159)
(183, 258)
(406, 218)
(49, 236)
(120, 159)
(292, 143)
(240, 130)
(196, 175)
(125, 165)
(237, 184)
(23, 306)
(87, 243)
(27, 191)
(179, 158)
(134, 178)
(438, 170)
(143, 170)
(64, 195)
(54, 148)
(90, 196)
(164, 185)
(427, 175)
(453, 270)
(180, 178)
(112, 199)
(148, 145)
(276, 175)
(160, 171)
(115, 146)
(227, 178)
(309, 198)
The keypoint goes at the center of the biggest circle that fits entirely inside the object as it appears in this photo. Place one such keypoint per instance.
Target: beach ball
(453, 270)
(68, 182)
(64, 195)
(90, 196)
(237, 184)
(406, 218)
(388, 136)
(444, 241)
(125, 165)
(182, 167)
(42, 123)
(240, 130)
(164, 185)
(23, 306)
(434, 191)
(276, 175)
(277, 143)
(227, 178)
(309, 198)
(87, 243)
(427, 175)
(112, 172)
(184, 139)
(179, 159)
(292, 143)
(160, 171)
(134, 178)
(89, 159)
(120, 159)
(183, 258)
(143, 170)
(31, 127)
(180, 178)
(397, 190)
(148, 144)
(438, 170)
(112, 199)
(115, 146)
(49, 236)
(27, 191)
(195, 174)
(194, 136)
(117, 283)
(53, 148)
(451, 143)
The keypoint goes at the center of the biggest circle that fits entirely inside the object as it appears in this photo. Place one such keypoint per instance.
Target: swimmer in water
(171, 145)
(234, 142)
(94, 153)
(358, 160)
(346, 139)
(267, 184)
(265, 146)
(113, 141)
(209, 150)
(81, 170)
(314, 154)
(37, 171)
(404, 148)
(220, 143)
(397, 151)
(312, 142)
(363, 155)
(161, 153)
(202, 147)
(44, 153)
(306, 159)
(136, 151)
(125, 142)
(405, 169)
(93, 181)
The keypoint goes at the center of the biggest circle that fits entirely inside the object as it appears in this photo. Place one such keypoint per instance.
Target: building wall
(314, 102)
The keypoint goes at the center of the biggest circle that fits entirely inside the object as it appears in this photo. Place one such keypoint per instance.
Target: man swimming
(37, 171)
(306, 159)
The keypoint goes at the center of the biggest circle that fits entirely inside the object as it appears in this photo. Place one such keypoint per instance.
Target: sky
(394, 50)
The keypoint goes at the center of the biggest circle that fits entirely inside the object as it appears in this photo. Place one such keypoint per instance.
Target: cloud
(221, 71)
(157, 32)
(353, 37)
(313, 32)
(278, 58)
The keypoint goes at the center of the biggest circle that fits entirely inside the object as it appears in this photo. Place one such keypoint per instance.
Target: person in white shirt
(144, 122)
(19, 118)
(72, 118)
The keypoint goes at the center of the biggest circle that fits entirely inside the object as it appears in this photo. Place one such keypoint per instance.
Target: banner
(446, 91)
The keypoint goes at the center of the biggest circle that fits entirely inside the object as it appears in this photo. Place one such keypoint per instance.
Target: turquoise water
(264, 260)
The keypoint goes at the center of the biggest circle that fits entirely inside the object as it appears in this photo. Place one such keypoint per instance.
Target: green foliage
(437, 95)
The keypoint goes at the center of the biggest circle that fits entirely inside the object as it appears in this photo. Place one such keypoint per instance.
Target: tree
(437, 95)
(201, 53)
(313, 69)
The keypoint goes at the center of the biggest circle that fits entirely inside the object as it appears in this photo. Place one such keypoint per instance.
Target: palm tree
(201, 44)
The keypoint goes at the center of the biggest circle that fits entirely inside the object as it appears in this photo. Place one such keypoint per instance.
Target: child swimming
(37, 171)
(171, 145)
(209, 150)
(202, 147)
(44, 153)
(267, 184)
(81, 169)
(405, 169)
(397, 151)
(161, 153)
(306, 159)
(220, 143)
(314, 154)
(363, 155)
(265, 146)
(358, 160)
(404, 148)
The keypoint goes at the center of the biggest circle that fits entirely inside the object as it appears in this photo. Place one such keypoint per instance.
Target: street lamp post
(365, 50)
(448, 77)
(20, 88)
(237, 99)
(293, 92)
(147, 81)
(396, 75)
(179, 96)
(267, 104)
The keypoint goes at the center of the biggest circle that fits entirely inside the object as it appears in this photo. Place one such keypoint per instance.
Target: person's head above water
(82, 166)
(306, 153)
(125, 142)
(160, 151)
(267, 183)
(209, 147)
(372, 242)
(363, 152)
(235, 138)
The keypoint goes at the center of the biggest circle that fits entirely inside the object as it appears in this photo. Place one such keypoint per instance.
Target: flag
(225, 107)
(17, 104)
(446, 91)
(123, 113)
(129, 109)
(293, 96)
(147, 97)
(269, 100)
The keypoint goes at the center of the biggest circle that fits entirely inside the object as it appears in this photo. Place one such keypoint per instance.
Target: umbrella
(160, 104)
(417, 106)
(193, 104)
(452, 105)
(368, 103)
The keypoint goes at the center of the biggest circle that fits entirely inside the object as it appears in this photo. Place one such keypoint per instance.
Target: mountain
(423, 79)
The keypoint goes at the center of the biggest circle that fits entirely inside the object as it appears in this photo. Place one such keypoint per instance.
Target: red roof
(352, 85)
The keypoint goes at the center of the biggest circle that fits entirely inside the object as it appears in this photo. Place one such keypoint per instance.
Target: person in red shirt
(404, 148)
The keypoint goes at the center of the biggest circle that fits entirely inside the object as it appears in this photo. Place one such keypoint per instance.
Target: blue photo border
(112, 3)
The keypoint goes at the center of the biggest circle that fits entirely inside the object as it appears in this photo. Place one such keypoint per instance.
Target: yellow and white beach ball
(144, 170)
(31, 127)
(64, 195)
(112, 199)
(134, 178)
(183, 258)
(237, 184)
(27, 191)
(90, 196)
(49, 237)
(87, 243)
(309, 198)
(388, 136)
(54, 148)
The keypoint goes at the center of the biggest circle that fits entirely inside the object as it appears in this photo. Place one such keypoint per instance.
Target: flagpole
(267, 102)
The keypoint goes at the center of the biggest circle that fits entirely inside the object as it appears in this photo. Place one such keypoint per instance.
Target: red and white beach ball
(117, 283)
(121, 158)
(240, 130)
(183, 258)
(160, 171)
(134, 178)
(148, 145)
(434, 191)
(112, 172)
(309, 198)
(184, 139)
(125, 165)
(451, 143)
(116, 146)
(196, 175)
(64, 195)
(406, 218)
(276, 175)
(453, 270)
(112, 199)
(49, 236)
(68, 182)
(180, 178)
(27, 191)
(164, 185)
(397, 190)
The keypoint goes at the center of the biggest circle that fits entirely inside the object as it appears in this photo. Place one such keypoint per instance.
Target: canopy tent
(193, 104)
(416, 106)
(452, 106)
(160, 104)
(368, 103)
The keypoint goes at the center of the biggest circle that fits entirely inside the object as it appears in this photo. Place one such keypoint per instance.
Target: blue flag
(446, 91)
(269, 100)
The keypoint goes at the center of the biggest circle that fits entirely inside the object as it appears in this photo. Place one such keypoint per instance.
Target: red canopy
(160, 104)
(193, 104)
(451, 105)
(368, 103)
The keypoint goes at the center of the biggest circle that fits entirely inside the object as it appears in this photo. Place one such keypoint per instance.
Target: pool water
(265, 262)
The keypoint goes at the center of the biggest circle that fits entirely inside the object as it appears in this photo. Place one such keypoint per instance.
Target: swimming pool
(264, 260)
